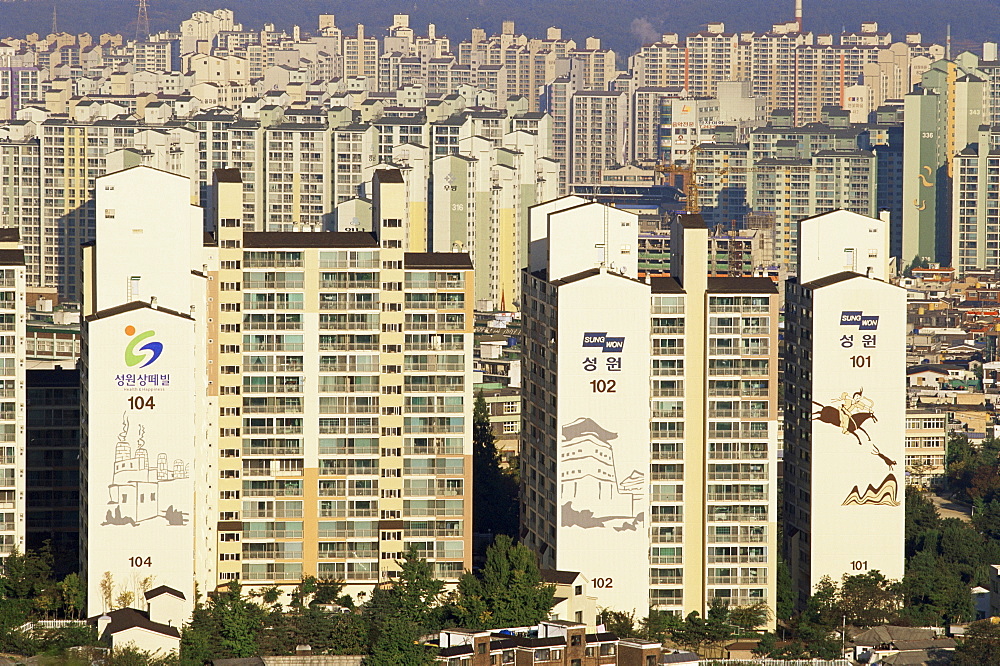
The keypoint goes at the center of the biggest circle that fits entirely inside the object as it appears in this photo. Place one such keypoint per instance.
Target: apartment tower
(649, 446)
(845, 403)
(310, 410)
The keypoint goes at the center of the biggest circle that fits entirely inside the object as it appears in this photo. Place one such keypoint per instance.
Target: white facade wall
(858, 470)
(603, 452)
(141, 448)
(131, 225)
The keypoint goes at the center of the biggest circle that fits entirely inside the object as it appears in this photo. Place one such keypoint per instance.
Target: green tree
(238, 621)
(693, 634)
(495, 491)
(657, 625)
(981, 645)
(73, 594)
(508, 593)
(619, 623)
(869, 599)
(749, 618)
(26, 575)
(397, 615)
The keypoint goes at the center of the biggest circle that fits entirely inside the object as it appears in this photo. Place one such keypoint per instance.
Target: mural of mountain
(884, 495)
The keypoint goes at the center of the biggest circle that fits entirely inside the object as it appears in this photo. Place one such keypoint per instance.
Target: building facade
(330, 388)
(649, 444)
(845, 399)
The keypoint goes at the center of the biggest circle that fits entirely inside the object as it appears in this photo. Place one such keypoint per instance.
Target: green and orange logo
(148, 352)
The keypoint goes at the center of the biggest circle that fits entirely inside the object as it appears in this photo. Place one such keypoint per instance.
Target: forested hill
(622, 24)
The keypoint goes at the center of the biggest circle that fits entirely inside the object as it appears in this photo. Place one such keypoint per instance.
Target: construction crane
(690, 187)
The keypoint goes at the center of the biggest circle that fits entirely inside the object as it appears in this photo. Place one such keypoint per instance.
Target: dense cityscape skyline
(412, 342)
(637, 22)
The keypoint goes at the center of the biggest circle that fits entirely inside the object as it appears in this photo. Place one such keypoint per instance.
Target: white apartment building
(845, 400)
(320, 427)
(926, 447)
(649, 441)
(12, 395)
(297, 164)
(598, 134)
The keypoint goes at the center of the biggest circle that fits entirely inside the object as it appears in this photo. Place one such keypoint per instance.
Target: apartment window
(229, 494)
(229, 453)
(229, 536)
(228, 557)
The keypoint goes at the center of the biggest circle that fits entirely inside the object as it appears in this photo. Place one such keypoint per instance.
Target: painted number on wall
(603, 386)
(140, 561)
(603, 583)
(861, 361)
(858, 565)
(139, 402)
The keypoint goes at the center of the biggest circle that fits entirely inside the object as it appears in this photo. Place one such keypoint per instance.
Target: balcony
(737, 580)
(272, 347)
(348, 325)
(434, 367)
(348, 284)
(273, 284)
(435, 346)
(737, 559)
(737, 517)
(737, 497)
(272, 326)
(742, 537)
(273, 430)
(272, 409)
(272, 450)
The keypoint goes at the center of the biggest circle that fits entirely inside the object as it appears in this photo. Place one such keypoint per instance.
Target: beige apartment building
(335, 427)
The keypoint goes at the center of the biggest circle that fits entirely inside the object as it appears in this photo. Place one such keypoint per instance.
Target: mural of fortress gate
(138, 491)
(849, 413)
(592, 490)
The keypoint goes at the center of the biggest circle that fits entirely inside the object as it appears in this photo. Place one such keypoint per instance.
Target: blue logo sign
(857, 318)
(607, 345)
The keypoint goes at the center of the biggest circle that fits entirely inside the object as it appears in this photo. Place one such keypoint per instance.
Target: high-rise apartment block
(297, 164)
(649, 440)
(12, 396)
(324, 380)
(942, 117)
(795, 70)
(845, 400)
(787, 172)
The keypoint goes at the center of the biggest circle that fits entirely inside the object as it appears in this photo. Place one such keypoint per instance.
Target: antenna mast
(142, 22)
(55, 29)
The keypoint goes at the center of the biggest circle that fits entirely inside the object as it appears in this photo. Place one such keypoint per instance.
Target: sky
(622, 24)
